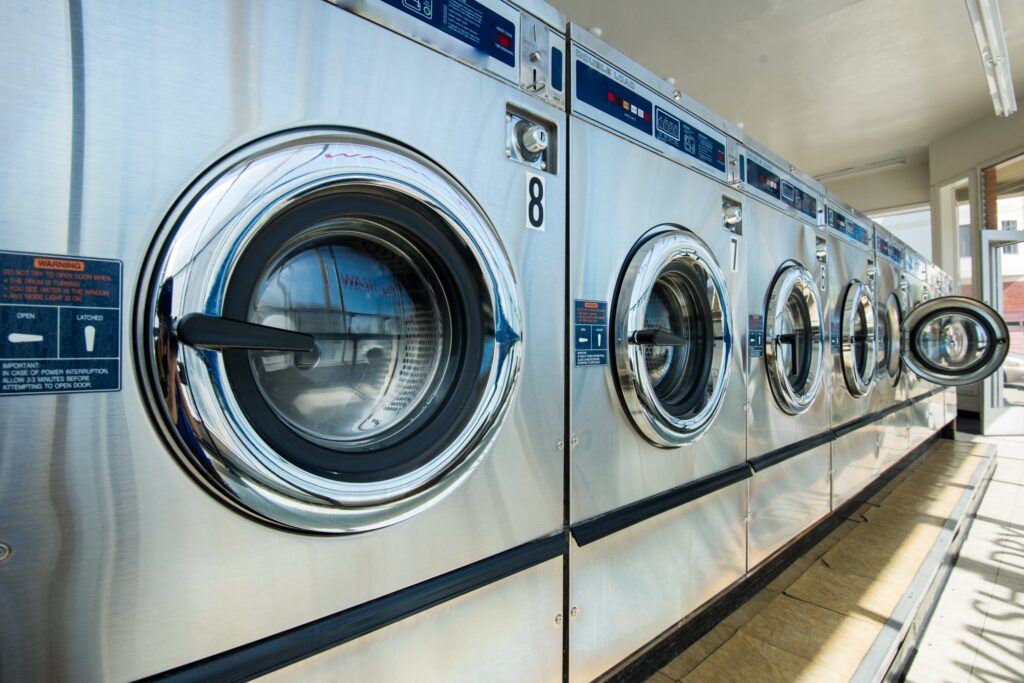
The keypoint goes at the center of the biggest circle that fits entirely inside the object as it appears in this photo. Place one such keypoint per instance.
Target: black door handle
(212, 332)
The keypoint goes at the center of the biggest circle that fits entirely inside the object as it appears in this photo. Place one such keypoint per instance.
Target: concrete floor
(977, 630)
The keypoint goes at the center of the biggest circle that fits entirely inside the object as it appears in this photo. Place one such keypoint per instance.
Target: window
(913, 227)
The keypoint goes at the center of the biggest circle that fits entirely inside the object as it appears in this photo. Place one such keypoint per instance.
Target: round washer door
(672, 337)
(857, 338)
(794, 345)
(333, 331)
(887, 333)
(954, 340)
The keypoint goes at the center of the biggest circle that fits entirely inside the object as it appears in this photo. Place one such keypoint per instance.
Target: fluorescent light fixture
(863, 169)
(988, 29)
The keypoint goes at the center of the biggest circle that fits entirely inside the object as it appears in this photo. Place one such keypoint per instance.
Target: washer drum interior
(333, 331)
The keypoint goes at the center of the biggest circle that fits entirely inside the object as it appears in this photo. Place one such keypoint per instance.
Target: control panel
(845, 226)
(490, 35)
(776, 185)
(914, 264)
(608, 96)
(889, 250)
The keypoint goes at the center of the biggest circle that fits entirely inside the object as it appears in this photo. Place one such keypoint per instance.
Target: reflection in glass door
(1003, 282)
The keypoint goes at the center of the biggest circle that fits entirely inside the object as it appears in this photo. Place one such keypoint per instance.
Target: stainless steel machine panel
(785, 499)
(853, 322)
(854, 462)
(444, 643)
(891, 306)
(629, 587)
(787, 249)
(851, 305)
(614, 463)
(122, 565)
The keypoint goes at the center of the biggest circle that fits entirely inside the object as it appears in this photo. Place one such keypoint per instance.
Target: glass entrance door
(1003, 284)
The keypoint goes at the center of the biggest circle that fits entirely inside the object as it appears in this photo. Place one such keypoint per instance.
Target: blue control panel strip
(889, 251)
(468, 21)
(611, 97)
(760, 177)
(844, 226)
(677, 133)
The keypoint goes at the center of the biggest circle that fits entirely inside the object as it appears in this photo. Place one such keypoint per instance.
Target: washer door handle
(212, 332)
(652, 336)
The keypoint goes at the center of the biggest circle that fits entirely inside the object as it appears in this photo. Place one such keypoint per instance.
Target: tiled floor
(977, 630)
(816, 620)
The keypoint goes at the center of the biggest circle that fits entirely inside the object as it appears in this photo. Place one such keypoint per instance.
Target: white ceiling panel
(827, 84)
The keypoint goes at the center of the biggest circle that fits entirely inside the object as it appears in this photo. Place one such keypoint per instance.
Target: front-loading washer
(919, 291)
(946, 340)
(657, 468)
(853, 322)
(329, 435)
(789, 377)
(889, 398)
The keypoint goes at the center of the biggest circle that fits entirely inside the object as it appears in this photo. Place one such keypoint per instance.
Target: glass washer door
(672, 337)
(954, 340)
(794, 344)
(889, 323)
(335, 332)
(857, 338)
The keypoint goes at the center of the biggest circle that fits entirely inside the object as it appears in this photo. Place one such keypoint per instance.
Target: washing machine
(789, 380)
(919, 292)
(657, 489)
(947, 341)
(283, 341)
(853, 321)
(889, 399)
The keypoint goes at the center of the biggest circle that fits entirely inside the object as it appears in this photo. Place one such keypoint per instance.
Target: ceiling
(828, 84)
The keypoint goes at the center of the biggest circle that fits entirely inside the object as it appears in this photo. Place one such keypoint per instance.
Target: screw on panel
(574, 612)
(508, 152)
(558, 619)
(543, 166)
(5, 552)
(677, 95)
(534, 56)
(575, 441)
(559, 445)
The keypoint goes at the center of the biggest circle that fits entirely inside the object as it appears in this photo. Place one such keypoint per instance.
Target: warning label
(60, 324)
(591, 332)
(755, 335)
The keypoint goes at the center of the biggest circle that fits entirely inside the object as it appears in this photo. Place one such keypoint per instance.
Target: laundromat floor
(842, 610)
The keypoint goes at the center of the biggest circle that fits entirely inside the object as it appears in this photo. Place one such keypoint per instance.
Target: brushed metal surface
(854, 462)
(846, 263)
(633, 585)
(893, 430)
(619, 192)
(785, 499)
(506, 631)
(122, 565)
(775, 237)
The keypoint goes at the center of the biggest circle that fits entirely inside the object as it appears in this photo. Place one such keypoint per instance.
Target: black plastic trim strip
(766, 460)
(266, 655)
(596, 528)
(854, 425)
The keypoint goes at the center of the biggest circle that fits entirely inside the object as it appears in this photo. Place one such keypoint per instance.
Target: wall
(976, 144)
(897, 187)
